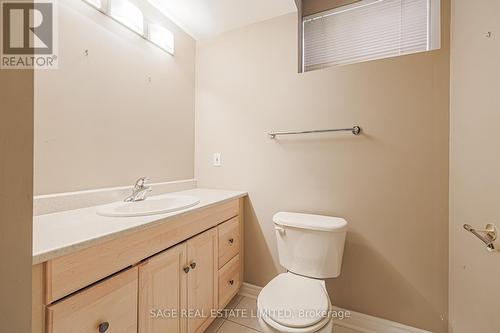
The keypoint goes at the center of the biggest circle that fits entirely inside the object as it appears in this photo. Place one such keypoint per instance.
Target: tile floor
(242, 318)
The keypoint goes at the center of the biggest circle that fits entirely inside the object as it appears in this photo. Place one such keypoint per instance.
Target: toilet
(310, 247)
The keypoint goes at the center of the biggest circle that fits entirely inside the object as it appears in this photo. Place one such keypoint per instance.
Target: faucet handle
(140, 190)
(141, 182)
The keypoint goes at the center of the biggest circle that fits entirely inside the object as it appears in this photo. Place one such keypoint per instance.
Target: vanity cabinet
(169, 278)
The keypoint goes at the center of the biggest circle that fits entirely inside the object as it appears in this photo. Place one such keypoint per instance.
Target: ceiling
(203, 19)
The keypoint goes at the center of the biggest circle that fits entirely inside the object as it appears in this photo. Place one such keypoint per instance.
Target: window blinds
(365, 31)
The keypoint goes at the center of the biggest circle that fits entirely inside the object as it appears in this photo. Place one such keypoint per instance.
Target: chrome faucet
(140, 190)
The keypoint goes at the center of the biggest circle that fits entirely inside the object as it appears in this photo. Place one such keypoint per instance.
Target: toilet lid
(310, 222)
(294, 301)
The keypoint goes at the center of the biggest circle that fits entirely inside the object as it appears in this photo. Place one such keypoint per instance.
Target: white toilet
(310, 247)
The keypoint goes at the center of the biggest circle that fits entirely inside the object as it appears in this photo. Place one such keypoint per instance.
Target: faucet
(139, 191)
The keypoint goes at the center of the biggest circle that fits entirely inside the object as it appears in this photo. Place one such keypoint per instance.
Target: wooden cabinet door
(202, 280)
(108, 306)
(163, 292)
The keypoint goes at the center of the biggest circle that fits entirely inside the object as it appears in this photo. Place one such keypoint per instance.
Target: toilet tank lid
(310, 221)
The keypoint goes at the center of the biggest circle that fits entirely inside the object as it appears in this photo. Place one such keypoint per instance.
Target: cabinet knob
(103, 327)
(231, 282)
(186, 269)
(231, 241)
(193, 265)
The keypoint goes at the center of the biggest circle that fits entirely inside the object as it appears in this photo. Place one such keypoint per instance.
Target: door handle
(193, 265)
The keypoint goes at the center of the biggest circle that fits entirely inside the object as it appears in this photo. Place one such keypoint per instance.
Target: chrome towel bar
(356, 130)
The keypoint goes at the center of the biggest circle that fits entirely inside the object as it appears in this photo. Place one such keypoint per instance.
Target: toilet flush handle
(280, 230)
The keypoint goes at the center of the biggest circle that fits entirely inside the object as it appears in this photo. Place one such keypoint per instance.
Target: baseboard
(368, 324)
(359, 322)
(249, 290)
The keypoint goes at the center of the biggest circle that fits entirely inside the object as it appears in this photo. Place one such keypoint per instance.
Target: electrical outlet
(217, 159)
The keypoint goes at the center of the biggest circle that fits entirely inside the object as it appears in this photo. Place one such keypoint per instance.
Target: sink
(160, 204)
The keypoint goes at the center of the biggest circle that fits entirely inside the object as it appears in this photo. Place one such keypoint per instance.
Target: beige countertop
(65, 232)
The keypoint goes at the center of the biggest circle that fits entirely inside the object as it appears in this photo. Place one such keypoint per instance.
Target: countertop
(61, 233)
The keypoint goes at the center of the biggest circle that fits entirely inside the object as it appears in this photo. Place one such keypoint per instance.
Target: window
(369, 30)
(128, 14)
(161, 37)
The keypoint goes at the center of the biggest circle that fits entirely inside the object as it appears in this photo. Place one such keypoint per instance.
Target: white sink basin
(160, 204)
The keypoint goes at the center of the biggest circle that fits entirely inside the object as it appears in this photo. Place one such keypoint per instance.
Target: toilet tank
(310, 245)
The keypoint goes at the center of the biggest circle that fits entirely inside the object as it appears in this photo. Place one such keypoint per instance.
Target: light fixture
(162, 37)
(127, 14)
(131, 16)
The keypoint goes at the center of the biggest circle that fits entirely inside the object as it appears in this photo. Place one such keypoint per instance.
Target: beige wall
(94, 133)
(16, 199)
(391, 183)
(474, 165)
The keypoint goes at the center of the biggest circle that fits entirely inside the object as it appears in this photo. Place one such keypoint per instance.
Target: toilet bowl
(310, 247)
(293, 303)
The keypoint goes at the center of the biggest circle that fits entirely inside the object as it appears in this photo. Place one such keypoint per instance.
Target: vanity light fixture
(127, 14)
(131, 16)
(161, 37)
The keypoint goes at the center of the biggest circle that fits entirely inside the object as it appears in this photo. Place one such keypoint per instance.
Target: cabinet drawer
(229, 240)
(111, 303)
(229, 281)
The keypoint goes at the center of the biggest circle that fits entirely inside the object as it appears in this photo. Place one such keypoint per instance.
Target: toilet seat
(293, 303)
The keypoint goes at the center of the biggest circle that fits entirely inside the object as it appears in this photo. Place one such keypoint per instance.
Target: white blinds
(366, 30)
